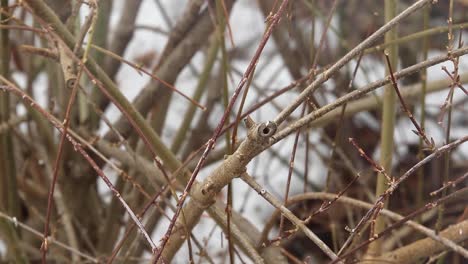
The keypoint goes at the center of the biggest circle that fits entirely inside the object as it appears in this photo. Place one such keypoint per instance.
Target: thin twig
(77, 146)
(358, 93)
(218, 129)
(450, 184)
(378, 168)
(437, 153)
(345, 59)
(140, 69)
(152, 201)
(33, 231)
(73, 83)
(419, 131)
(288, 214)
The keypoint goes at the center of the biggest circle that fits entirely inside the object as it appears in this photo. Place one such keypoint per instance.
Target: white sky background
(247, 23)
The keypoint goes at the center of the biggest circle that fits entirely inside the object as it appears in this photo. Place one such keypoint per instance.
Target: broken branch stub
(258, 137)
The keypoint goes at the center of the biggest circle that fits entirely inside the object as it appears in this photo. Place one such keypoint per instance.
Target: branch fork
(258, 137)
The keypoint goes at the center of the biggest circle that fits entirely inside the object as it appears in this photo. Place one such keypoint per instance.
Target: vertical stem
(445, 176)
(425, 50)
(87, 115)
(184, 128)
(224, 70)
(9, 197)
(388, 123)
(9, 200)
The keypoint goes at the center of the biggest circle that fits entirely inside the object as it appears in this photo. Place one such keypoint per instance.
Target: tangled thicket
(291, 118)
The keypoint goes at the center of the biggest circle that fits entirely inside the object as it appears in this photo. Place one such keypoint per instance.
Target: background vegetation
(308, 131)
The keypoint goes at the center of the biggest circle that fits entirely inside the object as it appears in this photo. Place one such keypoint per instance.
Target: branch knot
(266, 130)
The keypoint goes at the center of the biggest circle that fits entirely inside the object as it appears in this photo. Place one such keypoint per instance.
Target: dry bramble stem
(78, 148)
(274, 21)
(419, 131)
(143, 120)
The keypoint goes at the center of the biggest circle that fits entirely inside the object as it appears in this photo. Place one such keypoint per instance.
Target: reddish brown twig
(212, 140)
(78, 148)
(412, 215)
(50, 198)
(394, 185)
(419, 130)
(130, 229)
(140, 70)
(328, 204)
(374, 164)
(450, 184)
(456, 81)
